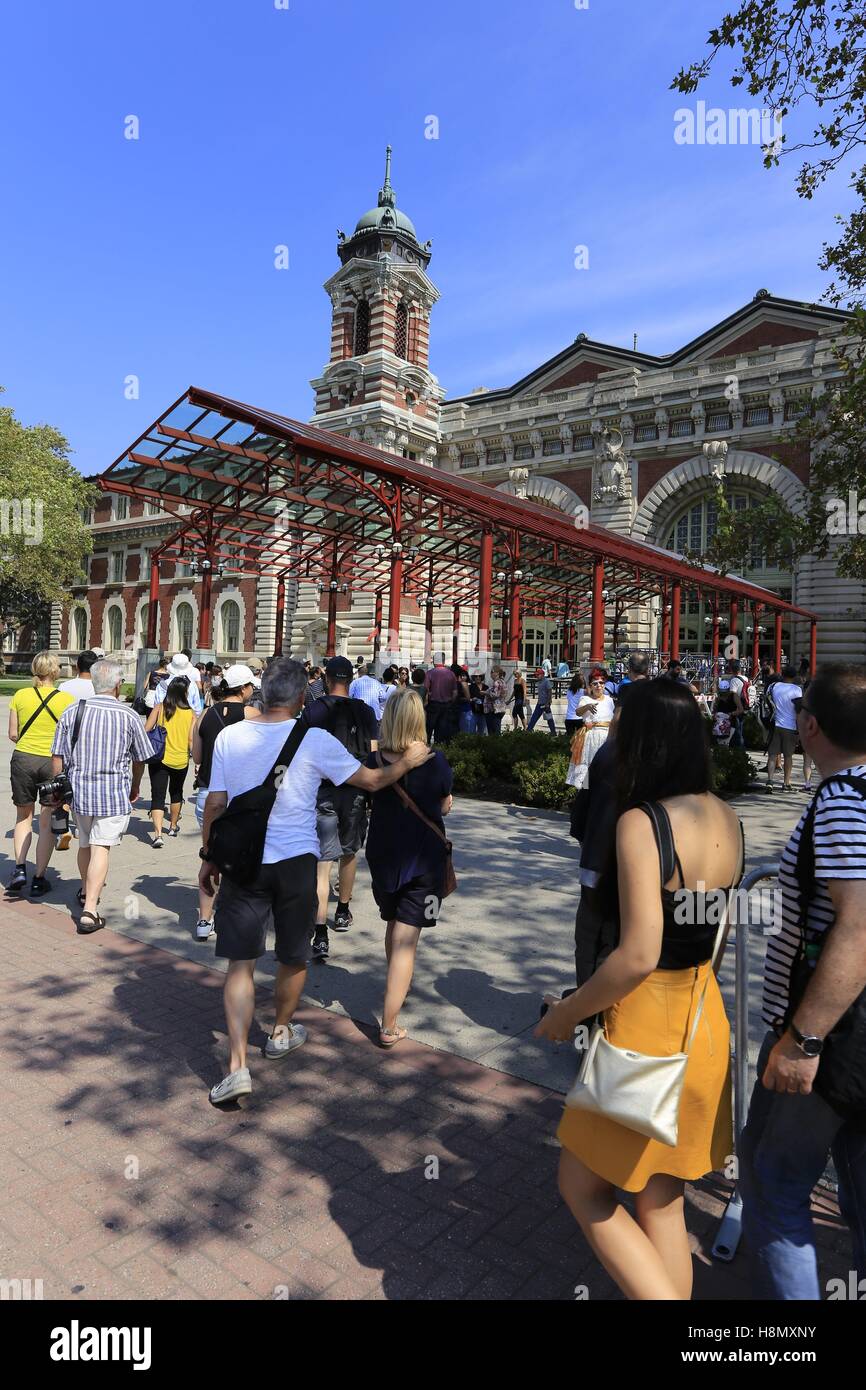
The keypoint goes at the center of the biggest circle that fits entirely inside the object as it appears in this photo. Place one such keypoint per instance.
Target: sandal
(90, 922)
(82, 897)
(391, 1039)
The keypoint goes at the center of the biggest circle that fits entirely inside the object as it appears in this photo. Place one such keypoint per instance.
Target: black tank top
(690, 918)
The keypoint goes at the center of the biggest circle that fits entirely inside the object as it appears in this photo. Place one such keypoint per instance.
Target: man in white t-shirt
(782, 694)
(81, 686)
(283, 895)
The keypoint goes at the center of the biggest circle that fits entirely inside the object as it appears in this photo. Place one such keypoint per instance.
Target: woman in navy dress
(407, 858)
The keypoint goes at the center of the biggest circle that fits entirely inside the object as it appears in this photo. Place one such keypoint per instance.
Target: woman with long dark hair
(168, 771)
(573, 697)
(674, 837)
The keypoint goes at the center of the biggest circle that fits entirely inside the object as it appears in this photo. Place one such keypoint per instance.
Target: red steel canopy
(257, 491)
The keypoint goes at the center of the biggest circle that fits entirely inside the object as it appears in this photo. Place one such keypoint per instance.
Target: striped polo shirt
(839, 835)
(111, 737)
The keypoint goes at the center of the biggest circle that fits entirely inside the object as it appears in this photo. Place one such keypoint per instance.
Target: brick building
(634, 441)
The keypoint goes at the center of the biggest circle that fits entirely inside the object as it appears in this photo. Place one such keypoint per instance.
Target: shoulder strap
(407, 801)
(660, 821)
(43, 705)
(287, 752)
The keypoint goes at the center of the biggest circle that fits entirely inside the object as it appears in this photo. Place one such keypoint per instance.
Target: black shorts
(417, 903)
(341, 822)
(166, 779)
(282, 896)
(27, 772)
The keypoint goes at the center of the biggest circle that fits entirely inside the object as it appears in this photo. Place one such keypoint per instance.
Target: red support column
(485, 587)
(428, 617)
(204, 617)
(394, 594)
(281, 616)
(515, 631)
(756, 640)
(777, 640)
(377, 625)
(153, 604)
(596, 629)
(666, 624)
(455, 633)
(676, 600)
(813, 647)
(733, 623)
(331, 640)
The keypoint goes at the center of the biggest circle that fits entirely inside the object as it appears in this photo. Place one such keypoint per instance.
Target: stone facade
(627, 440)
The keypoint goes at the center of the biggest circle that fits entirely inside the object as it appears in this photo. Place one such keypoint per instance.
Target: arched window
(401, 330)
(693, 529)
(230, 622)
(362, 327)
(183, 621)
(79, 628)
(115, 629)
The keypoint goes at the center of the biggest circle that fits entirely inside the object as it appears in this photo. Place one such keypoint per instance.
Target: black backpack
(348, 723)
(841, 1076)
(237, 838)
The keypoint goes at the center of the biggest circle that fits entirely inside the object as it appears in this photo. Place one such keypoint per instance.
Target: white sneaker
(288, 1037)
(204, 929)
(237, 1083)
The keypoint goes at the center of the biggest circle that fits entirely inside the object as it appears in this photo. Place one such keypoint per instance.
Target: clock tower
(377, 386)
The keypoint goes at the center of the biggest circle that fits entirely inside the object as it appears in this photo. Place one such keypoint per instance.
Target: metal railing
(730, 1226)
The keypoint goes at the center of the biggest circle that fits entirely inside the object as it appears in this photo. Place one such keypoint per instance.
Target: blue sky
(262, 126)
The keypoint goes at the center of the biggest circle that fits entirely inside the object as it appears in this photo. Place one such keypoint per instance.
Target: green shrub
(753, 732)
(467, 767)
(733, 770)
(542, 783)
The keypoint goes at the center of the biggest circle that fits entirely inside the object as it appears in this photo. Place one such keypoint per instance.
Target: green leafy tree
(791, 52)
(43, 540)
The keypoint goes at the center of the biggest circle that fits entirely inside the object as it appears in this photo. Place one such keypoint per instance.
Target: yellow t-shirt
(40, 735)
(176, 752)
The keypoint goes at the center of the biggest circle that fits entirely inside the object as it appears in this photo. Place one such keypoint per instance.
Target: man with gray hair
(101, 745)
(283, 894)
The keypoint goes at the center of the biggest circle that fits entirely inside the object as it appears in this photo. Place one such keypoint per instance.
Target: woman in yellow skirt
(676, 845)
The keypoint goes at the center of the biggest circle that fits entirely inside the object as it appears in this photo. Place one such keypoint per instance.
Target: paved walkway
(119, 1179)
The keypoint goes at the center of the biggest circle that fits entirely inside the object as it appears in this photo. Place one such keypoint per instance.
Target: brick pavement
(120, 1180)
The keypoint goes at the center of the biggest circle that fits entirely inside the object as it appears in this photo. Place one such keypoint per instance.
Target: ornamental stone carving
(716, 454)
(519, 477)
(612, 470)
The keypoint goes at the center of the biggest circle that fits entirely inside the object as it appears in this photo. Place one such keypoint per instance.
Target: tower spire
(387, 196)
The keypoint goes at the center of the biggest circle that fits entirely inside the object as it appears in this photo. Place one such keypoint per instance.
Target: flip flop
(389, 1039)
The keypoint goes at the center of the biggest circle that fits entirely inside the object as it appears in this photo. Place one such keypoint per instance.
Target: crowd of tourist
(297, 768)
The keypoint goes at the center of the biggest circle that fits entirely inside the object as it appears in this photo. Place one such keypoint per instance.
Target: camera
(55, 792)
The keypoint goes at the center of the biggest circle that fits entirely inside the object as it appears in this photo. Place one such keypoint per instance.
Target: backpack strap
(275, 777)
(43, 705)
(668, 858)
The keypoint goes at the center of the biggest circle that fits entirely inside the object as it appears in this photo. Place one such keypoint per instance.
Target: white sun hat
(179, 665)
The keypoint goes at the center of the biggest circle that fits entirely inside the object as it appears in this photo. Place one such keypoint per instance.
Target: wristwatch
(203, 854)
(809, 1045)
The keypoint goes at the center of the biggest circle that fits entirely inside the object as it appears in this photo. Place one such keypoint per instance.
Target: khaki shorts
(784, 741)
(100, 830)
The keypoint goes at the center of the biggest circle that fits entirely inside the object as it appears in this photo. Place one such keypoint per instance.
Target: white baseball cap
(236, 676)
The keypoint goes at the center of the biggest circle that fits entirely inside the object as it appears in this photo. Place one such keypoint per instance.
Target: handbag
(449, 882)
(640, 1093)
(237, 838)
(156, 737)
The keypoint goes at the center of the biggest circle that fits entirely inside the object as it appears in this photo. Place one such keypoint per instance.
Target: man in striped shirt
(792, 1130)
(105, 769)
